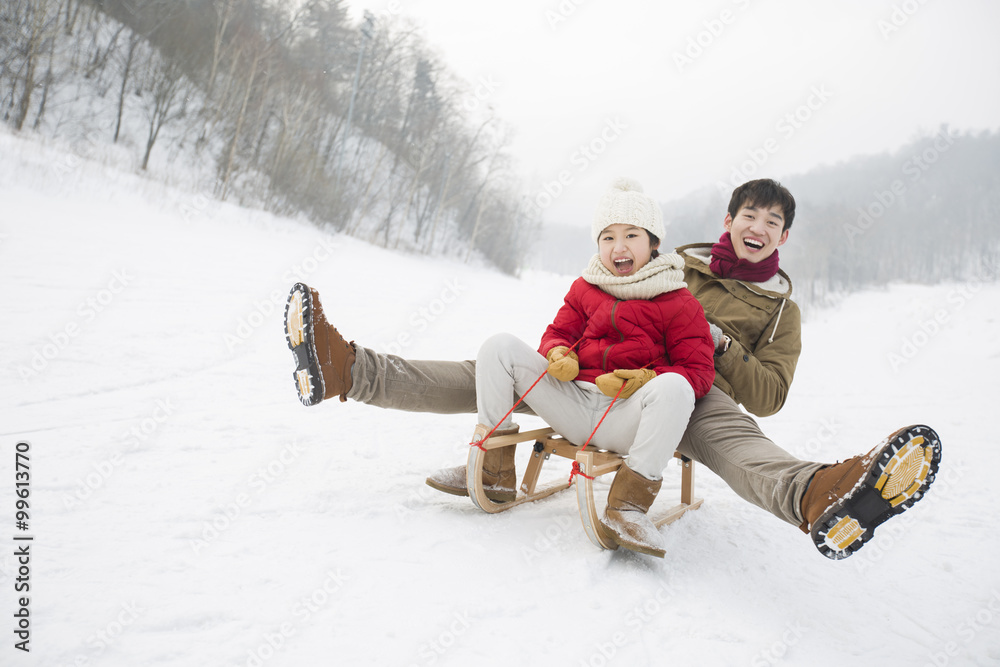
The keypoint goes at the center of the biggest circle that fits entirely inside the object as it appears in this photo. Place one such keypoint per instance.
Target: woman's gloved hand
(564, 365)
(610, 383)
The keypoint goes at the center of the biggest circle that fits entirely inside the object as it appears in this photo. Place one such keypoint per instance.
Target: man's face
(756, 232)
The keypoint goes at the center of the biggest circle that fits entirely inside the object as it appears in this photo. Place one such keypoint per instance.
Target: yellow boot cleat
(323, 360)
(847, 501)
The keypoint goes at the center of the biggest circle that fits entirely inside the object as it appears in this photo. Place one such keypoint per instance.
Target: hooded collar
(779, 285)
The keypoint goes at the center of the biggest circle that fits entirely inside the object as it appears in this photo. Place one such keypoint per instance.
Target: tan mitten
(633, 378)
(564, 365)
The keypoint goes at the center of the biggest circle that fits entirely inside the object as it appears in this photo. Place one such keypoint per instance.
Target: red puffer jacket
(668, 333)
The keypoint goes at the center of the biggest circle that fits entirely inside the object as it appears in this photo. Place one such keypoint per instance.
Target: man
(756, 330)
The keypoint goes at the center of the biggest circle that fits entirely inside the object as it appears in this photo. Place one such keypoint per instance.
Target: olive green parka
(763, 323)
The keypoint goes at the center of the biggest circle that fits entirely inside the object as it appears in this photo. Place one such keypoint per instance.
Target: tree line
(358, 126)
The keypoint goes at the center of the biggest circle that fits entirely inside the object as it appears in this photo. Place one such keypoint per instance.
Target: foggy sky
(687, 95)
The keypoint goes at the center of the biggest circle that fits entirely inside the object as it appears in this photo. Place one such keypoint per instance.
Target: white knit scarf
(662, 274)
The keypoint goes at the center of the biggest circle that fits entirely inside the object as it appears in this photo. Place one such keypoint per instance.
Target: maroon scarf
(725, 263)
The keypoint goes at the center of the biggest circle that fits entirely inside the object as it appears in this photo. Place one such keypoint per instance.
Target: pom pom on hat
(625, 203)
(626, 184)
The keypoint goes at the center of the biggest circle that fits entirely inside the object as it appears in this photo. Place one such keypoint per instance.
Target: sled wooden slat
(688, 501)
(514, 438)
(687, 481)
(531, 474)
(593, 463)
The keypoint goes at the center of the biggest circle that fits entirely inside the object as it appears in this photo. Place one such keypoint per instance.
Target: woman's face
(624, 249)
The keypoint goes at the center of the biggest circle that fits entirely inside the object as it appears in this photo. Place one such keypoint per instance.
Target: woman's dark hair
(653, 240)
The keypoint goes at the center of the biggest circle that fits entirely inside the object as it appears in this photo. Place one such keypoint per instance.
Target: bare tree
(270, 85)
(49, 78)
(72, 13)
(274, 34)
(128, 61)
(165, 101)
(222, 45)
(32, 27)
(251, 79)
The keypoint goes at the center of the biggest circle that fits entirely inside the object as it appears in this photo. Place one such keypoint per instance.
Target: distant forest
(361, 129)
(357, 126)
(925, 213)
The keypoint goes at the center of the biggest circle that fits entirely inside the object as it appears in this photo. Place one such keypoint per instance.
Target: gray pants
(719, 434)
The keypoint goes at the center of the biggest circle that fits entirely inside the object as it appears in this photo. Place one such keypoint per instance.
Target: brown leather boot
(847, 501)
(323, 360)
(499, 473)
(625, 519)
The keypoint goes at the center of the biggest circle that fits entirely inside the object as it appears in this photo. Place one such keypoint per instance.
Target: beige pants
(719, 434)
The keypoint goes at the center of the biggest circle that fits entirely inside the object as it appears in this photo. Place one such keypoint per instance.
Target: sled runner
(589, 464)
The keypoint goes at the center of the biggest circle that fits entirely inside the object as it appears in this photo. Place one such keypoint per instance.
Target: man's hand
(564, 365)
(720, 339)
(610, 383)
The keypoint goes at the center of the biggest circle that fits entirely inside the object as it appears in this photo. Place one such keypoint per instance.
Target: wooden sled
(593, 463)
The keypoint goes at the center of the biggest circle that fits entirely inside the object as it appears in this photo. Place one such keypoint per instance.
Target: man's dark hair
(763, 193)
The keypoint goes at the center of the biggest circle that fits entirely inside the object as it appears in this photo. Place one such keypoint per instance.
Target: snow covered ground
(187, 510)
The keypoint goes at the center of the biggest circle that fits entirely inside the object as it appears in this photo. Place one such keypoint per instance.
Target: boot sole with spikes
(300, 339)
(898, 475)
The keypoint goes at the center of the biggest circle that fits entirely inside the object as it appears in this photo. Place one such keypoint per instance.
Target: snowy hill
(187, 510)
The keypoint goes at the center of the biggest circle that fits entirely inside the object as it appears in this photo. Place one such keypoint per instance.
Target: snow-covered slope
(187, 510)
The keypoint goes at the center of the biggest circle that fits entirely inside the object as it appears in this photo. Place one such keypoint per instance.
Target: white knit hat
(625, 203)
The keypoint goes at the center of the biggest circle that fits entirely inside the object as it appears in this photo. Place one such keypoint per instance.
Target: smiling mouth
(623, 266)
(753, 244)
